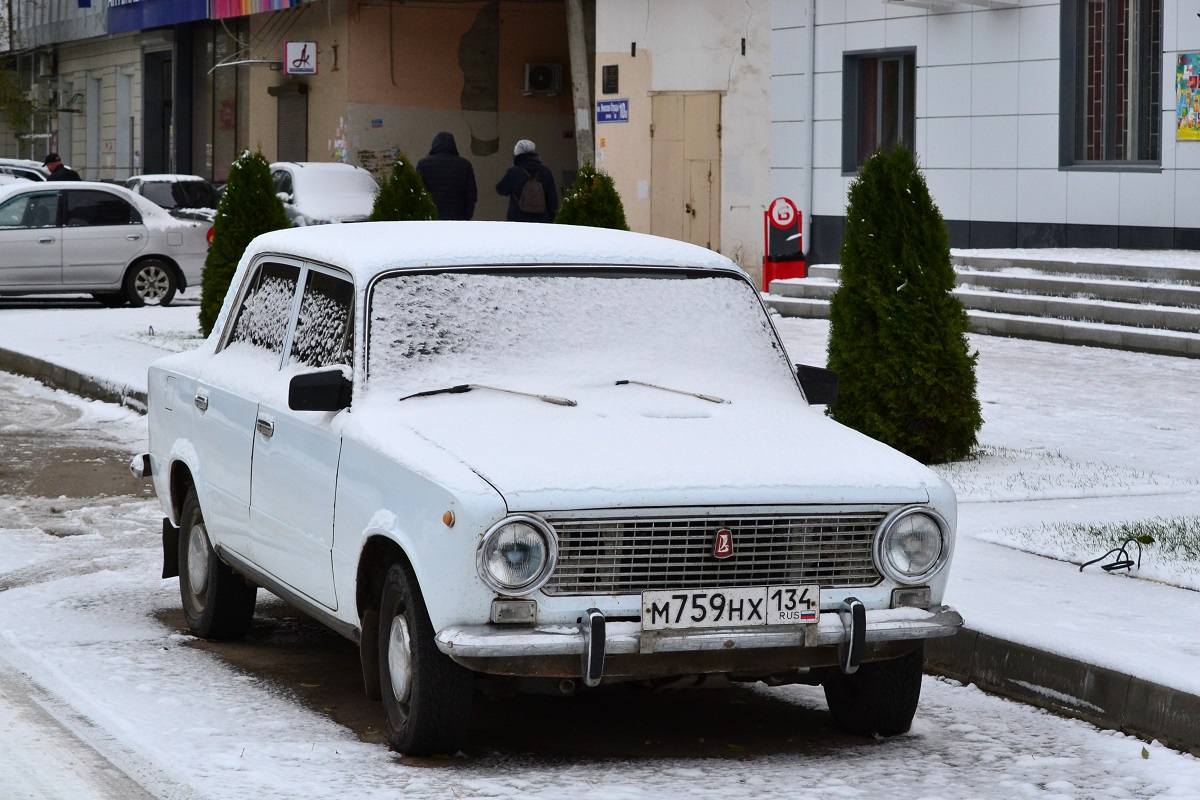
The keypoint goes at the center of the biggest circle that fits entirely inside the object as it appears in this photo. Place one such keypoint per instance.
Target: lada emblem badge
(723, 543)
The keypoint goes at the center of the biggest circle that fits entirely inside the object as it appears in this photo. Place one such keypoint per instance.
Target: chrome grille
(626, 556)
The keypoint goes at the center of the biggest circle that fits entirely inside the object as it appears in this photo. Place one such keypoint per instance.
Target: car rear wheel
(426, 696)
(150, 282)
(881, 697)
(217, 602)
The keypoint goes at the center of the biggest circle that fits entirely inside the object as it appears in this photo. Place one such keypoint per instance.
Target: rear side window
(324, 328)
(263, 315)
(30, 211)
(91, 209)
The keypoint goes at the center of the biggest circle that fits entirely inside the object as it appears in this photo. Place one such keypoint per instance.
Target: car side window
(92, 209)
(324, 328)
(283, 182)
(263, 316)
(30, 211)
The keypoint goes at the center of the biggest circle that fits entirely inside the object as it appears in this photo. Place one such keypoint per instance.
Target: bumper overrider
(845, 638)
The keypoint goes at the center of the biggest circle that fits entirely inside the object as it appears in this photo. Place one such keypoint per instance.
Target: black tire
(150, 281)
(881, 697)
(217, 602)
(426, 696)
(111, 299)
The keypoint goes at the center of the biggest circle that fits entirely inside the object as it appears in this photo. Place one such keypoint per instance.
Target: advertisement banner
(1187, 107)
(223, 9)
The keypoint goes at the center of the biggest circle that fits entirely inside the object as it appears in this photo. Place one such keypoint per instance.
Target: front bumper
(844, 633)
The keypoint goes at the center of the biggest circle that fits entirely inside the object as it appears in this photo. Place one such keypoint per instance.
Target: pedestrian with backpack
(529, 185)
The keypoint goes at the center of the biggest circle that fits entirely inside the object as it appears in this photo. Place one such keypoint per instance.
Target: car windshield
(564, 333)
(180, 194)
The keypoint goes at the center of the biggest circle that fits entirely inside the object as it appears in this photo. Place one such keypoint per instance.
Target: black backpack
(533, 195)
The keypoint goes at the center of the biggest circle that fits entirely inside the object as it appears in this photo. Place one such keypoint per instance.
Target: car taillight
(210, 235)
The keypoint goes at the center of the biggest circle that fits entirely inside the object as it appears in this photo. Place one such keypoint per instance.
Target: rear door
(30, 241)
(102, 234)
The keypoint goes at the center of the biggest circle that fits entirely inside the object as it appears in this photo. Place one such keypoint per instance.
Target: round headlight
(912, 545)
(517, 555)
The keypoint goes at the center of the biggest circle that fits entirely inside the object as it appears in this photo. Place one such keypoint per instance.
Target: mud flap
(170, 537)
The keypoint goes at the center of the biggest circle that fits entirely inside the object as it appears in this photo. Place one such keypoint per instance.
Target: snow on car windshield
(559, 332)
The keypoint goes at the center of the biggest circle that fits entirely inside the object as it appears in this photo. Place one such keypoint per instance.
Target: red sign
(783, 245)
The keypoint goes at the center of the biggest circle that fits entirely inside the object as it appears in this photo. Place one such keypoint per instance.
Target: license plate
(730, 608)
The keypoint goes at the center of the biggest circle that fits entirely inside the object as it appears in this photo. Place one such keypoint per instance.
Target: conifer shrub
(897, 336)
(402, 195)
(248, 207)
(593, 200)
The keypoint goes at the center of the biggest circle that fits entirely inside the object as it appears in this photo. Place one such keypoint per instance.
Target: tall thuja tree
(248, 207)
(403, 195)
(593, 200)
(897, 336)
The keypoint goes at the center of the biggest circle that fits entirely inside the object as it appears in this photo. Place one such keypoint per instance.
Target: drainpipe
(810, 81)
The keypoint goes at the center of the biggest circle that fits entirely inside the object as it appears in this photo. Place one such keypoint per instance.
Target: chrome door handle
(201, 402)
(46, 240)
(265, 427)
(133, 237)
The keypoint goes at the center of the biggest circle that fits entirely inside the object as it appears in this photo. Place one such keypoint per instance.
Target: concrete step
(1063, 331)
(1119, 290)
(1081, 309)
(1134, 272)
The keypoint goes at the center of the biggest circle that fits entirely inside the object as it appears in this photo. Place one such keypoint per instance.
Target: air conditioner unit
(543, 78)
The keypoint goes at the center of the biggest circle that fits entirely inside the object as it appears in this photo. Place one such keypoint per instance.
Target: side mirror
(820, 385)
(327, 390)
(284, 197)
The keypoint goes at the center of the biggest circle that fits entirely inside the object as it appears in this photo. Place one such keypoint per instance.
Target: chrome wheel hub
(197, 558)
(151, 283)
(400, 658)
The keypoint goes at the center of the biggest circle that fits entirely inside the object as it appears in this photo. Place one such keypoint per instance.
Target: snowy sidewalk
(1075, 435)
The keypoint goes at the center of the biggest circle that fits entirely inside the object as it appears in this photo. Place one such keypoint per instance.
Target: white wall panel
(1037, 141)
(789, 14)
(947, 142)
(951, 190)
(1041, 195)
(829, 45)
(1148, 198)
(949, 38)
(789, 54)
(1039, 30)
(827, 144)
(788, 97)
(1093, 198)
(949, 90)
(1187, 198)
(788, 149)
(827, 91)
(865, 35)
(994, 195)
(994, 142)
(994, 35)
(907, 32)
(994, 88)
(1037, 87)
(828, 11)
(829, 192)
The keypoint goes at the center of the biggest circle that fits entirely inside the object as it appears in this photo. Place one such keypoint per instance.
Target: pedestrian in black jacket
(449, 179)
(523, 205)
(59, 171)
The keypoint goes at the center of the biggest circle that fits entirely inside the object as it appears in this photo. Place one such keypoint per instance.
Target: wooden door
(685, 167)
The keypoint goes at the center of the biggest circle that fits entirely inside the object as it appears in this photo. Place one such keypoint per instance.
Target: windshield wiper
(466, 387)
(710, 398)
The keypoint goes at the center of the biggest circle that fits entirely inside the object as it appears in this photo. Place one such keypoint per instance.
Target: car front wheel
(150, 282)
(426, 696)
(217, 602)
(881, 697)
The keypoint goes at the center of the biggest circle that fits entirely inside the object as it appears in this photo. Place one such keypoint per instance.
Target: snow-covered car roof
(165, 178)
(369, 248)
(24, 167)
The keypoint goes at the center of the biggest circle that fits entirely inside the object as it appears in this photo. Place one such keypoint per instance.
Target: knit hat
(524, 146)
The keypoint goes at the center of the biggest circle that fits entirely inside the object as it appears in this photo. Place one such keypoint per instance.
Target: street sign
(300, 58)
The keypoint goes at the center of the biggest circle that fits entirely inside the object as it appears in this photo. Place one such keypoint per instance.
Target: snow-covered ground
(1071, 435)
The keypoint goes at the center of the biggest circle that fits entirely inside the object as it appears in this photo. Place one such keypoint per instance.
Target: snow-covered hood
(644, 448)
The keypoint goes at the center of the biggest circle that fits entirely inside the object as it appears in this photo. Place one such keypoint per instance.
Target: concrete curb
(1065, 686)
(1103, 697)
(57, 377)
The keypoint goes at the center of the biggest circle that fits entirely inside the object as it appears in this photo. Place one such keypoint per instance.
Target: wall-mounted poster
(1187, 84)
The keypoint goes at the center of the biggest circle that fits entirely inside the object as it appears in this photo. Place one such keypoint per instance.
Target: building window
(878, 104)
(1112, 83)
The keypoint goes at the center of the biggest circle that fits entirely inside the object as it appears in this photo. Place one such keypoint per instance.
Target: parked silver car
(81, 238)
(317, 192)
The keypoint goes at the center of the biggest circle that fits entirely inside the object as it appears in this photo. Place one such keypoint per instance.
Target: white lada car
(539, 454)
